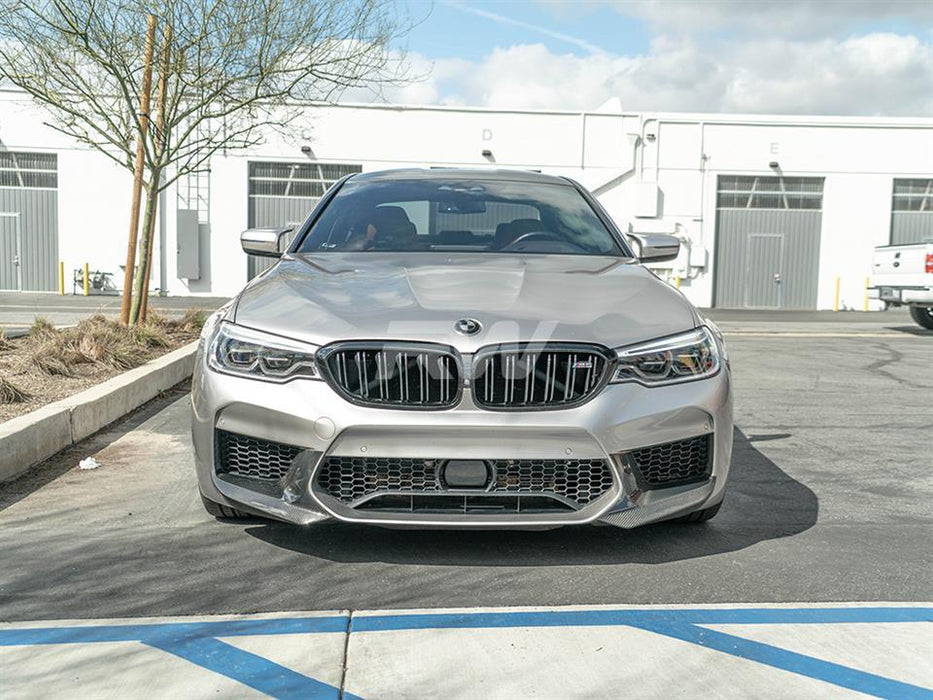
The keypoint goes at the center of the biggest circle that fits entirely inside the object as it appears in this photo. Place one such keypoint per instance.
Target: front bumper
(310, 415)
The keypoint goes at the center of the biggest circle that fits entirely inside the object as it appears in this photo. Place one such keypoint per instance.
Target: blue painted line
(249, 669)
(197, 641)
(638, 618)
(89, 634)
(800, 664)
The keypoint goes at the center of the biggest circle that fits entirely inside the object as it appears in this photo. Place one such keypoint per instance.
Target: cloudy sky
(846, 57)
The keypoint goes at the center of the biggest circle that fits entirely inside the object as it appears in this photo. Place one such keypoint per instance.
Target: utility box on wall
(647, 199)
(188, 245)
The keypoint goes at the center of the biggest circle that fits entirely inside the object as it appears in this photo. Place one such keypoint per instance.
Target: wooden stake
(159, 142)
(138, 176)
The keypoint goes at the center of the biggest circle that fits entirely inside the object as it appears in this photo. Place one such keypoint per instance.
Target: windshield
(460, 215)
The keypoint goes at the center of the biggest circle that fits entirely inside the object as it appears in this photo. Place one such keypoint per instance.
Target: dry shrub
(104, 341)
(10, 393)
(97, 340)
(154, 318)
(5, 345)
(126, 355)
(52, 360)
(150, 335)
(41, 328)
(191, 322)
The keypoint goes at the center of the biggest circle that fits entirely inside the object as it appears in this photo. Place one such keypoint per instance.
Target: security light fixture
(487, 153)
(306, 150)
(774, 165)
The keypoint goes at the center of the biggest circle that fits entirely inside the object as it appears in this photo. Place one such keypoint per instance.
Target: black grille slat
(350, 479)
(393, 375)
(246, 456)
(673, 463)
(524, 377)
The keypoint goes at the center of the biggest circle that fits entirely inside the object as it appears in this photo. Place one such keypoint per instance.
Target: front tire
(222, 512)
(923, 315)
(701, 516)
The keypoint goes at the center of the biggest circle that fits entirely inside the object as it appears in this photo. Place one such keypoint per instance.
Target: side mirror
(655, 247)
(265, 242)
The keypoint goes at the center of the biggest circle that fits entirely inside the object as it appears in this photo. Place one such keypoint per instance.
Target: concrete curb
(27, 440)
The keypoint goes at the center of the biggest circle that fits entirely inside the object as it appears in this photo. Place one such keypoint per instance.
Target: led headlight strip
(679, 358)
(249, 353)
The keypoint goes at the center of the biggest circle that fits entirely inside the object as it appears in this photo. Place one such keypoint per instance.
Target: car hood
(420, 296)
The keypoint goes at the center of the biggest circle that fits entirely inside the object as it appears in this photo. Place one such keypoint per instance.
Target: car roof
(494, 174)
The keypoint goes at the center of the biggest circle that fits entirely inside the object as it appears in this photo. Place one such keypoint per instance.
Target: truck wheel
(701, 516)
(222, 512)
(923, 315)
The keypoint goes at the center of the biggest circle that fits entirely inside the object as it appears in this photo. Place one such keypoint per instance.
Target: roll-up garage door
(281, 194)
(768, 241)
(28, 221)
(912, 211)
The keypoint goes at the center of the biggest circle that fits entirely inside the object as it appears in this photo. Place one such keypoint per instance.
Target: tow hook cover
(466, 474)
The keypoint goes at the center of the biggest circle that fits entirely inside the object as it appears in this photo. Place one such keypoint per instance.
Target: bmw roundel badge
(468, 326)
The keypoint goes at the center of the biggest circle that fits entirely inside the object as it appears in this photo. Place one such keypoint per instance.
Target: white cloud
(880, 73)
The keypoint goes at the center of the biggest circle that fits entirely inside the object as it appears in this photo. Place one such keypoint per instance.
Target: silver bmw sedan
(461, 349)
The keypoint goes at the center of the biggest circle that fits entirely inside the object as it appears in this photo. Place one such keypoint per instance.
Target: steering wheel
(540, 236)
(534, 236)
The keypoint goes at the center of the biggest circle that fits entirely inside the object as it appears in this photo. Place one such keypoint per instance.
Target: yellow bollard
(867, 283)
(836, 300)
(87, 282)
(677, 282)
(61, 278)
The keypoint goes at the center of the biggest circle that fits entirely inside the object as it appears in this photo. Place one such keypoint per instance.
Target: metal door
(751, 208)
(11, 276)
(763, 270)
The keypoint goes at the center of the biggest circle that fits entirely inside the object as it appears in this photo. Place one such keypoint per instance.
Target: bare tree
(229, 72)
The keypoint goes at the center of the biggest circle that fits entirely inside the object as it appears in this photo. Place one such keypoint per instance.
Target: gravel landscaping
(50, 364)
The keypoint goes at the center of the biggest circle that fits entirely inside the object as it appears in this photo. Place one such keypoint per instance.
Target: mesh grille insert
(673, 463)
(580, 480)
(247, 456)
(350, 479)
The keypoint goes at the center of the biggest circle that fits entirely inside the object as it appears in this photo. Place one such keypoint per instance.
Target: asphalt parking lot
(831, 499)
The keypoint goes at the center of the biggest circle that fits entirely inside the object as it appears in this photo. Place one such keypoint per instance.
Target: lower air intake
(247, 456)
(356, 480)
(672, 463)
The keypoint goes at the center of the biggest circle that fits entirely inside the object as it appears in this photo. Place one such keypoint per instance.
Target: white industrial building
(772, 210)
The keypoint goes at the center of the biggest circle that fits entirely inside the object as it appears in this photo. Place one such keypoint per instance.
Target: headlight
(249, 353)
(679, 358)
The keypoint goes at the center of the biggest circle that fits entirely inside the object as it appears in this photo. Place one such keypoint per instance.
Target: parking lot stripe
(385, 639)
(800, 664)
(249, 669)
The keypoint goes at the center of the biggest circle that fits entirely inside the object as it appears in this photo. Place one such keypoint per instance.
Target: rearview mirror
(265, 242)
(655, 247)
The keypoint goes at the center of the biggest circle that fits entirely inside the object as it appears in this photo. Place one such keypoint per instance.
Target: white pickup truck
(902, 275)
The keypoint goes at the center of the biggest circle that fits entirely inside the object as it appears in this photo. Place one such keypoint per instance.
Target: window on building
(32, 170)
(769, 192)
(912, 211)
(913, 195)
(296, 179)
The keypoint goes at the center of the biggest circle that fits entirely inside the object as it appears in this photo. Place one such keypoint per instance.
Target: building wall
(635, 163)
